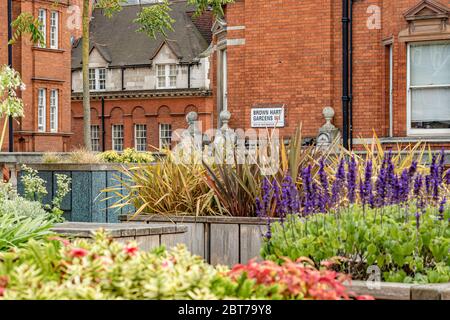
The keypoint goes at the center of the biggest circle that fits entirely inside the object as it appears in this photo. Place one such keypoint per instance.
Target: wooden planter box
(401, 291)
(219, 240)
(148, 237)
(84, 201)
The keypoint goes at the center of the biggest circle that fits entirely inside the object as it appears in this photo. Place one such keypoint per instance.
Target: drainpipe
(122, 69)
(345, 73)
(189, 75)
(350, 81)
(103, 125)
(11, 128)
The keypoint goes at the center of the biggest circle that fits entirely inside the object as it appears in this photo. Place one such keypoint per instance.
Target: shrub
(105, 269)
(127, 156)
(406, 247)
(17, 230)
(21, 219)
(288, 281)
(35, 190)
(165, 188)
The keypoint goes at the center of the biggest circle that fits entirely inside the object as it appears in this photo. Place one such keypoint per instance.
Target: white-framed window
(117, 137)
(95, 137)
(54, 29)
(42, 18)
(428, 85)
(166, 76)
(54, 110)
(42, 103)
(140, 137)
(97, 79)
(165, 135)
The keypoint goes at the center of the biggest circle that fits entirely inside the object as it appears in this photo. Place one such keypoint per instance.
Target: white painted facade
(145, 78)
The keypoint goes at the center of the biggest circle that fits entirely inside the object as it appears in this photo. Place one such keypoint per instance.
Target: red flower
(78, 252)
(3, 284)
(131, 250)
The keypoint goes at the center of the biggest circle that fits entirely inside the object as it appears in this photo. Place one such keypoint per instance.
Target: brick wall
(293, 55)
(42, 68)
(151, 112)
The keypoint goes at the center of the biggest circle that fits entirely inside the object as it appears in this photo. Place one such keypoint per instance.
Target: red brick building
(290, 53)
(45, 70)
(142, 88)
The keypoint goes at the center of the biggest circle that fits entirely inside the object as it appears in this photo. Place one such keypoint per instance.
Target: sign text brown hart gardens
(267, 117)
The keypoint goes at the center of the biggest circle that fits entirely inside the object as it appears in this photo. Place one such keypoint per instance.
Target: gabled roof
(102, 50)
(172, 46)
(427, 9)
(118, 42)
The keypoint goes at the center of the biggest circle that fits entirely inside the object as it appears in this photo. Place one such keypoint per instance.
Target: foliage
(110, 7)
(215, 5)
(155, 19)
(129, 155)
(17, 230)
(166, 188)
(25, 23)
(405, 247)
(289, 281)
(19, 206)
(239, 185)
(83, 156)
(105, 269)
(10, 103)
(35, 190)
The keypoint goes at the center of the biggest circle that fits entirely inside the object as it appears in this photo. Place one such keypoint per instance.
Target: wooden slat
(196, 238)
(172, 240)
(224, 244)
(149, 242)
(250, 242)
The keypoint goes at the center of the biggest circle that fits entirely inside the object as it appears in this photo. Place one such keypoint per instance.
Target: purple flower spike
(418, 183)
(308, 190)
(351, 180)
(323, 177)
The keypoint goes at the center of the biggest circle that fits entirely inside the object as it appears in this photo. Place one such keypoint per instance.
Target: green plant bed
(107, 269)
(403, 247)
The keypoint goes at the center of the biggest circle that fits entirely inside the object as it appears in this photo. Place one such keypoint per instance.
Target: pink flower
(78, 252)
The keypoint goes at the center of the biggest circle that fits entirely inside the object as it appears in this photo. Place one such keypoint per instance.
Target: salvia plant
(404, 205)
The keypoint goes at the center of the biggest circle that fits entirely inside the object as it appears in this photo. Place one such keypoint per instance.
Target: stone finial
(191, 117)
(225, 117)
(328, 114)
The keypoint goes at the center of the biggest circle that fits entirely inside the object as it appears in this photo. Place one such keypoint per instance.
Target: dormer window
(97, 79)
(166, 76)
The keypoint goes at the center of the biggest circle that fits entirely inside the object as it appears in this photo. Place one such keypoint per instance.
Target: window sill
(49, 49)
